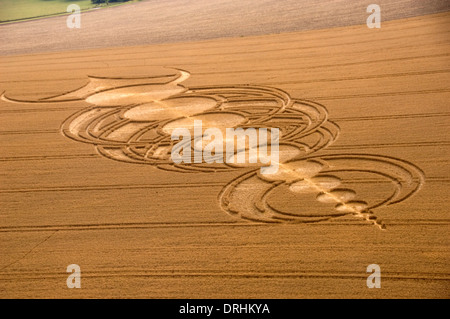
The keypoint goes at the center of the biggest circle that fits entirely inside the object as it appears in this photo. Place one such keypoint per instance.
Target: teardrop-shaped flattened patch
(315, 184)
(170, 108)
(352, 207)
(293, 171)
(218, 120)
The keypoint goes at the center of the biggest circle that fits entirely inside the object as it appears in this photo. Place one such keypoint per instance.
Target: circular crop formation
(132, 120)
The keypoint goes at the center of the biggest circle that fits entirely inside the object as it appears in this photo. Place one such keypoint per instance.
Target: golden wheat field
(363, 179)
